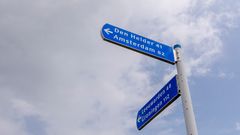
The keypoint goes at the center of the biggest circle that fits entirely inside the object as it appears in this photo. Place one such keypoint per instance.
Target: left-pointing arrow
(138, 119)
(108, 31)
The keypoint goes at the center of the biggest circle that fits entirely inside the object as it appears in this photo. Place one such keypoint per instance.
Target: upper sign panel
(138, 43)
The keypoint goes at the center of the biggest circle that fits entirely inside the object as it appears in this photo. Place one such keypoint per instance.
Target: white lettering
(151, 50)
(115, 37)
(133, 36)
(159, 46)
(116, 30)
(166, 98)
(121, 39)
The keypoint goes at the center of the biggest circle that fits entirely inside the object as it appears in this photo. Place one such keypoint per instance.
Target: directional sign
(138, 43)
(168, 94)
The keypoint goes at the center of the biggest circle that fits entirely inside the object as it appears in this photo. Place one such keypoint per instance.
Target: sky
(58, 77)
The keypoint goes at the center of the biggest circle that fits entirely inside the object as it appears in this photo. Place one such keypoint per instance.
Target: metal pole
(185, 94)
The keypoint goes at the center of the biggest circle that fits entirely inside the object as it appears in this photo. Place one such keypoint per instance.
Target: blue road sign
(168, 94)
(138, 43)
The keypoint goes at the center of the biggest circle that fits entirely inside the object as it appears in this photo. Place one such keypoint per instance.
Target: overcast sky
(58, 77)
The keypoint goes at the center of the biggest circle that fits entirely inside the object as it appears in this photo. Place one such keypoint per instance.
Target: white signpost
(185, 94)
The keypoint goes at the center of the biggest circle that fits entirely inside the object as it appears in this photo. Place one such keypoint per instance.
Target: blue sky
(57, 75)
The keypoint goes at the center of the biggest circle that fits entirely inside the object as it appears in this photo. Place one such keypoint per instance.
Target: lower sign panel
(168, 94)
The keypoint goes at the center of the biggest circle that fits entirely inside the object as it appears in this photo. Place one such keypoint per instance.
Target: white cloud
(24, 108)
(193, 24)
(11, 127)
(225, 75)
(237, 126)
(55, 65)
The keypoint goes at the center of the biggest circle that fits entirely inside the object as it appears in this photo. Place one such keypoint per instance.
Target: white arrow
(108, 31)
(138, 120)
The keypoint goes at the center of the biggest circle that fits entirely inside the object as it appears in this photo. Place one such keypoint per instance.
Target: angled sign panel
(168, 94)
(137, 43)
